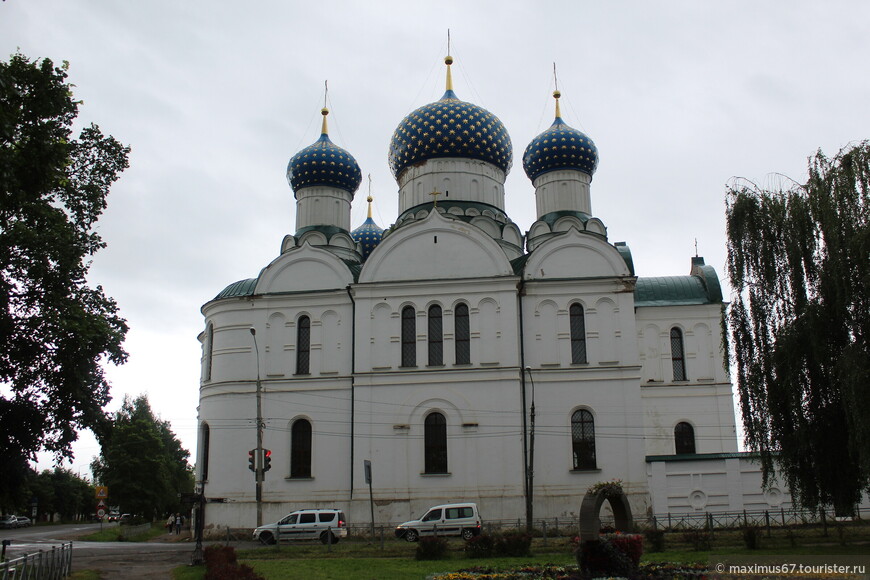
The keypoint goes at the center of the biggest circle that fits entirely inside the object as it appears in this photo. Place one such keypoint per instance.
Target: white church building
(456, 354)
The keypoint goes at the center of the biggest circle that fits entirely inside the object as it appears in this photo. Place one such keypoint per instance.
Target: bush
(629, 544)
(480, 546)
(698, 539)
(513, 544)
(221, 563)
(602, 558)
(655, 540)
(751, 537)
(431, 548)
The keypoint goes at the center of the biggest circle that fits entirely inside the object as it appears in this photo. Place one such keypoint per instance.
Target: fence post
(767, 521)
(544, 528)
(654, 523)
(745, 521)
(519, 525)
(782, 511)
(382, 538)
(669, 520)
(556, 531)
(824, 522)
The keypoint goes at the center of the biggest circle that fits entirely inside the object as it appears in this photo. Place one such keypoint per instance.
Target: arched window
(303, 345)
(204, 436)
(462, 334)
(409, 337)
(583, 439)
(435, 445)
(209, 350)
(436, 338)
(684, 438)
(300, 449)
(578, 334)
(678, 355)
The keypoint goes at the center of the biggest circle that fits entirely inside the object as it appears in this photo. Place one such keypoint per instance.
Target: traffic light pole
(258, 454)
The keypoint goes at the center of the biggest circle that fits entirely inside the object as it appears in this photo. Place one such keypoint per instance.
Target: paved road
(115, 560)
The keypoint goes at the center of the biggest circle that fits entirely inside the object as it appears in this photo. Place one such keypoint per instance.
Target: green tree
(61, 492)
(142, 462)
(799, 266)
(56, 331)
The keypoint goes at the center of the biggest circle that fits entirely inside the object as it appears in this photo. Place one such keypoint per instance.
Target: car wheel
(467, 534)
(328, 537)
(267, 538)
(412, 536)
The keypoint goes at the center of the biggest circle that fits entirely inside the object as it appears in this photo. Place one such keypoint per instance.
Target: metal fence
(54, 564)
(569, 526)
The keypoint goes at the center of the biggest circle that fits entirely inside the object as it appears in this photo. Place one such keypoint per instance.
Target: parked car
(8, 522)
(454, 519)
(23, 521)
(326, 525)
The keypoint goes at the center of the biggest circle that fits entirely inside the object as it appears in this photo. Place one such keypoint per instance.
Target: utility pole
(530, 474)
(258, 454)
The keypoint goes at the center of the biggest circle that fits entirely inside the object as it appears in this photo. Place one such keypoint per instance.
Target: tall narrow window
(462, 334)
(409, 337)
(583, 439)
(303, 345)
(684, 438)
(300, 449)
(435, 445)
(436, 338)
(209, 350)
(678, 355)
(205, 435)
(578, 334)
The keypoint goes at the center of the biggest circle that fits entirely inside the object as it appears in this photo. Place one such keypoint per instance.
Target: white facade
(457, 319)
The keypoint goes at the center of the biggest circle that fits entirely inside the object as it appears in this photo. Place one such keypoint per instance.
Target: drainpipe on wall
(521, 291)
(352, 377)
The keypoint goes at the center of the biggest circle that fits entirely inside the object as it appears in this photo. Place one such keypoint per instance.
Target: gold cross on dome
(435, 195)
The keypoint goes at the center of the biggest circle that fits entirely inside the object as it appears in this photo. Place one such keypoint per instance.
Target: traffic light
(252, 454)
(267, 460)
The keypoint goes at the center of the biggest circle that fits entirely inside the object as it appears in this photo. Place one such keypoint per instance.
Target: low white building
(440, 348)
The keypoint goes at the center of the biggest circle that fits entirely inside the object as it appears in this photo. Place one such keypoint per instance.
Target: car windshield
(291, 519)
(432, 515)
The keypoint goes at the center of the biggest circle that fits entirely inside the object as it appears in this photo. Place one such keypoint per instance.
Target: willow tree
(799, 266)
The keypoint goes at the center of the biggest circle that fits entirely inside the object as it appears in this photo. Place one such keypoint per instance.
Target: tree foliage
(142, 462)
(799, 266)
(56, 331)
(57, 493)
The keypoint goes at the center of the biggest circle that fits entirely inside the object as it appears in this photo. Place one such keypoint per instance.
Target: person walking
(177, 524)
(169, 523)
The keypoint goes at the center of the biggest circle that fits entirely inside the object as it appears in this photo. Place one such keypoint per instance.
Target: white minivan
(453, 519)
(326, 525)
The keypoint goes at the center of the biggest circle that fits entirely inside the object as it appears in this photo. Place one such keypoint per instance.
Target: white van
(453, 519)
(326, 525)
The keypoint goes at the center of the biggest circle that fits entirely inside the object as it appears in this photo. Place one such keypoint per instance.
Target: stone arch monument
(590, 523)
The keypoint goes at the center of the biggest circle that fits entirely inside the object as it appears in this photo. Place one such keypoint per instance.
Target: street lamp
(530, 471)
(258, 472)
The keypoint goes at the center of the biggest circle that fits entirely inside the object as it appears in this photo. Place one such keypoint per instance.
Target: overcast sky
(215, 97)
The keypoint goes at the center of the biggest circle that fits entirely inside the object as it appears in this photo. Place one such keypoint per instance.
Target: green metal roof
(671, 291)
(703, 456)
(701, 287)
(554, 216)
(328, 231)
(237, 289)
(446, 204)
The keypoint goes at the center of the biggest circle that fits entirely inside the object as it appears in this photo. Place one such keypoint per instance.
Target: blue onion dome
(450, 127)
(560, 147)
(368, 235)
(324, 163)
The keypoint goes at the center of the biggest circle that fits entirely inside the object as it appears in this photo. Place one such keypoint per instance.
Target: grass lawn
(85, 575)
(113, 534)
(385, 568)
(358, 560)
